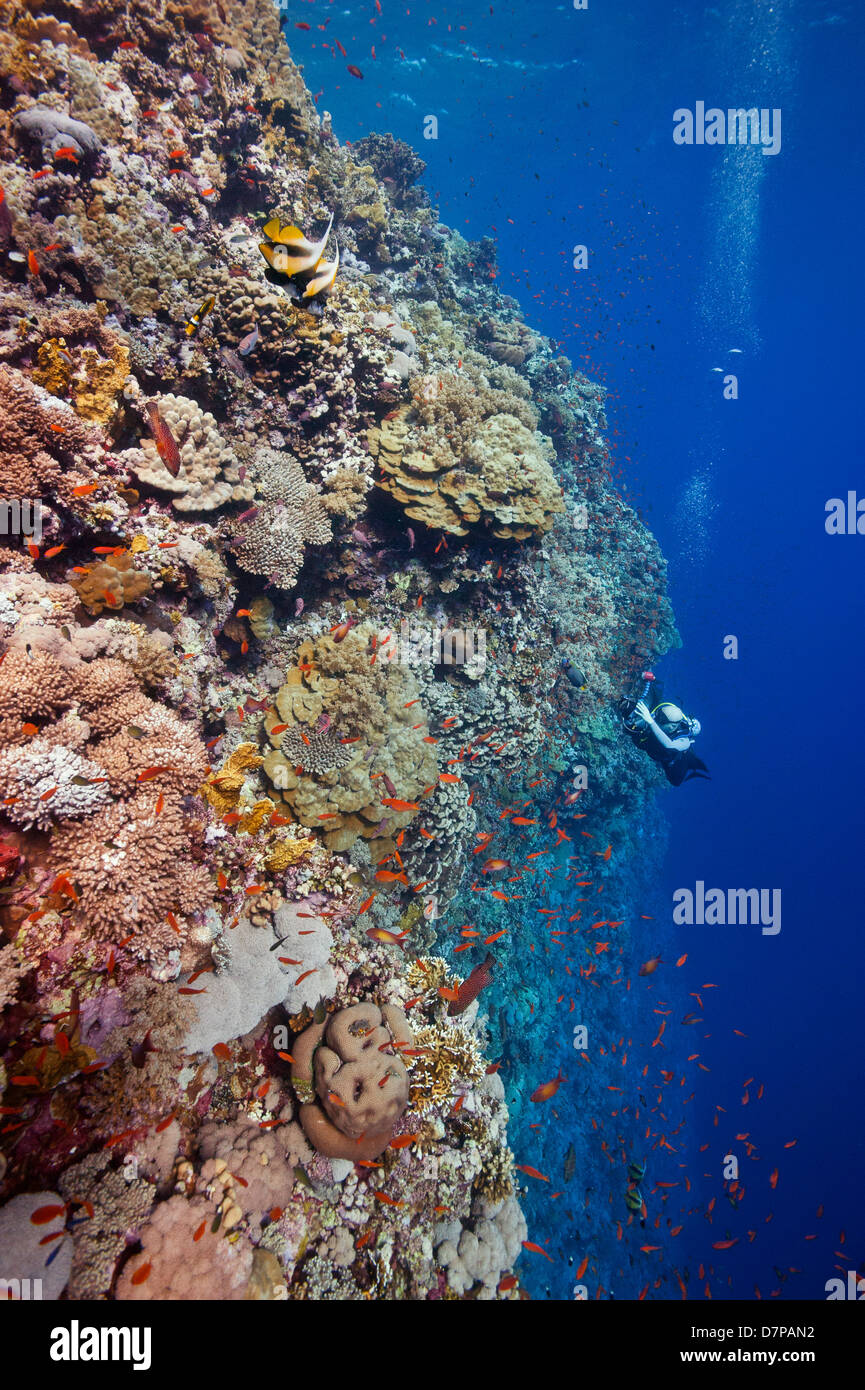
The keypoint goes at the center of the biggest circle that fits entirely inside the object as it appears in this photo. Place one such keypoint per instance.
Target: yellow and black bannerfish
(201, 312)
(288, 250)
(323, 277)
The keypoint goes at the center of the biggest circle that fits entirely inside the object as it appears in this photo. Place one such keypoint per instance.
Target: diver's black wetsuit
(679, 764)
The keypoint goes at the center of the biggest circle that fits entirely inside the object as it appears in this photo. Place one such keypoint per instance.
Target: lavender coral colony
(294, 545)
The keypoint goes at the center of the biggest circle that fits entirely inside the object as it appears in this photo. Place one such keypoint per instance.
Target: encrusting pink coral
(174, 1265)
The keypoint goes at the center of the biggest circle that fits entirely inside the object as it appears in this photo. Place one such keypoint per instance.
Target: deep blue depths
(562, 121)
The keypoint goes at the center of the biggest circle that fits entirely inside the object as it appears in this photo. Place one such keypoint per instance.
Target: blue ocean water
(555, 130)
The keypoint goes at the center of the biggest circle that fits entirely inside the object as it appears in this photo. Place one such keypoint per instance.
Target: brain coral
(289, 516)
(361, 1088)
(335, 683)
(208, 475)
(478, 461)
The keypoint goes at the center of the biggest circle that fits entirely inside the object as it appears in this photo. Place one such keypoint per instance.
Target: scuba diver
(664, 732)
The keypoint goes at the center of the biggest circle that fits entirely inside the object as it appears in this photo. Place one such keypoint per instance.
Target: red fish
(547, 1090)
(532, 1172)
(537, 1249)
(166, 444)
(469, 990)
(403, 1141)
(44, 1214)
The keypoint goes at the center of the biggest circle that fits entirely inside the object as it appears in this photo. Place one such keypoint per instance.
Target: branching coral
(448, 1055)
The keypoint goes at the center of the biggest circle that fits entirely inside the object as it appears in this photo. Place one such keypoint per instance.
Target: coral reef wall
(278, 643)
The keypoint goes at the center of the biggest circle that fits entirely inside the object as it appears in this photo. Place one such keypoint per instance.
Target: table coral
(463, 456)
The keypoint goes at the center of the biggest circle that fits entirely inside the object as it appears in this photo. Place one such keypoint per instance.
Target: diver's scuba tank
(630, 706)
(572, 672)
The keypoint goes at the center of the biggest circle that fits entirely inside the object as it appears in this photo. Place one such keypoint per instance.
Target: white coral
(27, 775)
(209, 475)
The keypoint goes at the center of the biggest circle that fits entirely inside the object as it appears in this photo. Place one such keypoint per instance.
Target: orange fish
(221, 1050)
(382, 934)
(403, 1140)
(650, 966)
(548, 1089)
(533, 1173)
(537, 1249)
